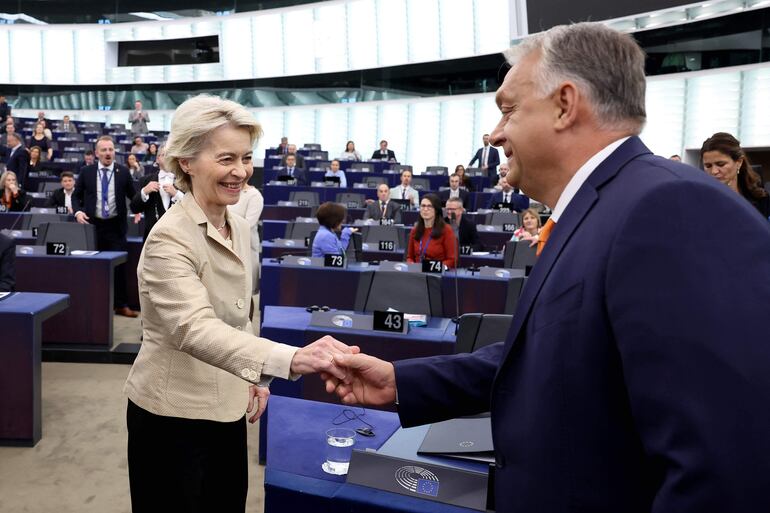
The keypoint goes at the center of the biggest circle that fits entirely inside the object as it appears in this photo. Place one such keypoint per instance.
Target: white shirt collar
(111, 167)
(581, 176)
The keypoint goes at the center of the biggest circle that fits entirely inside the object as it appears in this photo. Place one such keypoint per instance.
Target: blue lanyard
(424, 250)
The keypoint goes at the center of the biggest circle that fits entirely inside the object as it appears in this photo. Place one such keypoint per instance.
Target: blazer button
(245, 373)
(239, 303)
(253, 375)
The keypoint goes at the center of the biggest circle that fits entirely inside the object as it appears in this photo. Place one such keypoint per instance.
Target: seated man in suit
(465, 229)
(384, 153)
(63, 197)
(383, 208)
(506, 198)
(405, 191)
(7, 264)
(298, 159)
(68, 126)
(296, 172)
(18, 158)
(156, 194)
(88, 159)
(454, 191)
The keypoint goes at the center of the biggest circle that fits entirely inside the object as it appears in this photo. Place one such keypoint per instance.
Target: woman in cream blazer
(200, 368)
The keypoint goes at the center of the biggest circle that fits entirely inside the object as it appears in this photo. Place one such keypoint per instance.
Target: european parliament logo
(418, 480)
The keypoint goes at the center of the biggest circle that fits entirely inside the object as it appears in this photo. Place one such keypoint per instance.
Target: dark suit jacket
(84, 197)
(300, 160)
(57, 198)
(464, 196)
(518, 202)
(621, 386)
(300, 174)
(377, 156)
(493, 160)
(469, 235)
(153, 208)
(392, 211)
(18, 163)
(7, 264)
(19, 203)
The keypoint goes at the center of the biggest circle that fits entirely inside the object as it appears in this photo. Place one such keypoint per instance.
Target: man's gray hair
(455, 200)
(606, 65)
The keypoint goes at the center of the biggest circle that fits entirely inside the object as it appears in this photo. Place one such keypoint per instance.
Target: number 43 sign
(389, 321)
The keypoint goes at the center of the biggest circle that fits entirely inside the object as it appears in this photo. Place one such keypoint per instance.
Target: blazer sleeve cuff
(278, 362)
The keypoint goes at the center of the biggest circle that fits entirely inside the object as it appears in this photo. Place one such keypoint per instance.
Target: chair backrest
(400, 167)
(375, 181)
(421, 184)
(35, 220)
(515, 286)
(503, 218)
(416, 293)
(355, 250)
(75, 235)
(474, 171)
(312, 146)
(362, 166)
(350, 199)
(310, 196)
(375, 233)
(295, 230)
(48, 186)
(437, 170)
(525, 255)
(476, 330)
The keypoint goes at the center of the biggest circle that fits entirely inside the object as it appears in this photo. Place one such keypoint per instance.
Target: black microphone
(21, 214)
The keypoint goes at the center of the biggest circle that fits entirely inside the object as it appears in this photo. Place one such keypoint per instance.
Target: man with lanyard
(100, 198)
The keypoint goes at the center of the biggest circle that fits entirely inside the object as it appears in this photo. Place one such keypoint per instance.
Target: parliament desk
(21, 321)
(88, 279)
(392, 179)
(296, 285)
(377, 166)
(294, 480)
(14, 220)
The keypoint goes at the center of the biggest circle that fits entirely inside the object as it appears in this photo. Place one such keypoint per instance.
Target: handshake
(355, 377)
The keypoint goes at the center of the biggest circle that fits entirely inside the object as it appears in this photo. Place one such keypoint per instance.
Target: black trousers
(186, 465)
(111, 236)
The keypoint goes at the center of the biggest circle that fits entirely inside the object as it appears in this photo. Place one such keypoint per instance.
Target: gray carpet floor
(80, 464)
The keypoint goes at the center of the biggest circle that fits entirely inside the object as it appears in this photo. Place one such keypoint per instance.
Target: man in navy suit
(634, 376)
(299, 174)
(509, 199)
(384, 153)
(100, 198)
(487, 157)
(18, 158)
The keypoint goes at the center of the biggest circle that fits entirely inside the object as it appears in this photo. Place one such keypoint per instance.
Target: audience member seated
(335, 171)
(250, 206)
(327, 241)
(350, 152)
(454, 191)
(42, 119)
(295, 171)
(384, 153)
(156, 195)
(724, 159)
(12, 197)
(502, 172)
(383, 208)
(675, 158)
(152, 154)
(139, 145)
(506, 198)
(283, 148)
(34, 159)
(432, 238)
(41, 141)
(67, 126)
(465, 181)
(464, 229)
(487, 157)
(9, 128)
(138, 119)
(405, 190)
(7, 263)
(134, 167)
(298, 159)
(530, 226)
(88, 158)
(18, 157)
(63, 197)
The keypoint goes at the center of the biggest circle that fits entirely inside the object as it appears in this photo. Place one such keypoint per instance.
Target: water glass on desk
(339, 447)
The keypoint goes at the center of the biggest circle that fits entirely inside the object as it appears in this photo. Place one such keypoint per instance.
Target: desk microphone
(21, 214)
(453, 220)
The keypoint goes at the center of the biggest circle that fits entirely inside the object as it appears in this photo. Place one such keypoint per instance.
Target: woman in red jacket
(432, 238)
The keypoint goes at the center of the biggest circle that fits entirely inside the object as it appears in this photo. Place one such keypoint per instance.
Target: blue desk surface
(32, 303)
(294, 480)
(115, 257)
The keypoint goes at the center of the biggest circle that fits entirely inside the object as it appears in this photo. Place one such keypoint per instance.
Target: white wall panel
(393, 118)
(331, 43)
(457, 142)
(713, 105)
(235, 53)
(267, 35)
(392, 34)
(298, 38)
(755, 106)
(362, 39)
(425, 127)
(27, 49)
(665, 115)
(332, 129)
(5, 49)
(362, 128)
(456, 28)
(58, 56)
(424, 30)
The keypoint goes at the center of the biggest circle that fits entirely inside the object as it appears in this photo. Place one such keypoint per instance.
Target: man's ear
(566, 100)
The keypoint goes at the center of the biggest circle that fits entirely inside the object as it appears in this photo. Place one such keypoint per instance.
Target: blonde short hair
(192, 124)
(5, 175)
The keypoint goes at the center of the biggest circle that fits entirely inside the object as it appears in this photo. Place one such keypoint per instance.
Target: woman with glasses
(432, 238)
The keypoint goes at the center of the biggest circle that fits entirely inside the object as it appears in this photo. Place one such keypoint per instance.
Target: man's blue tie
(105, 193)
